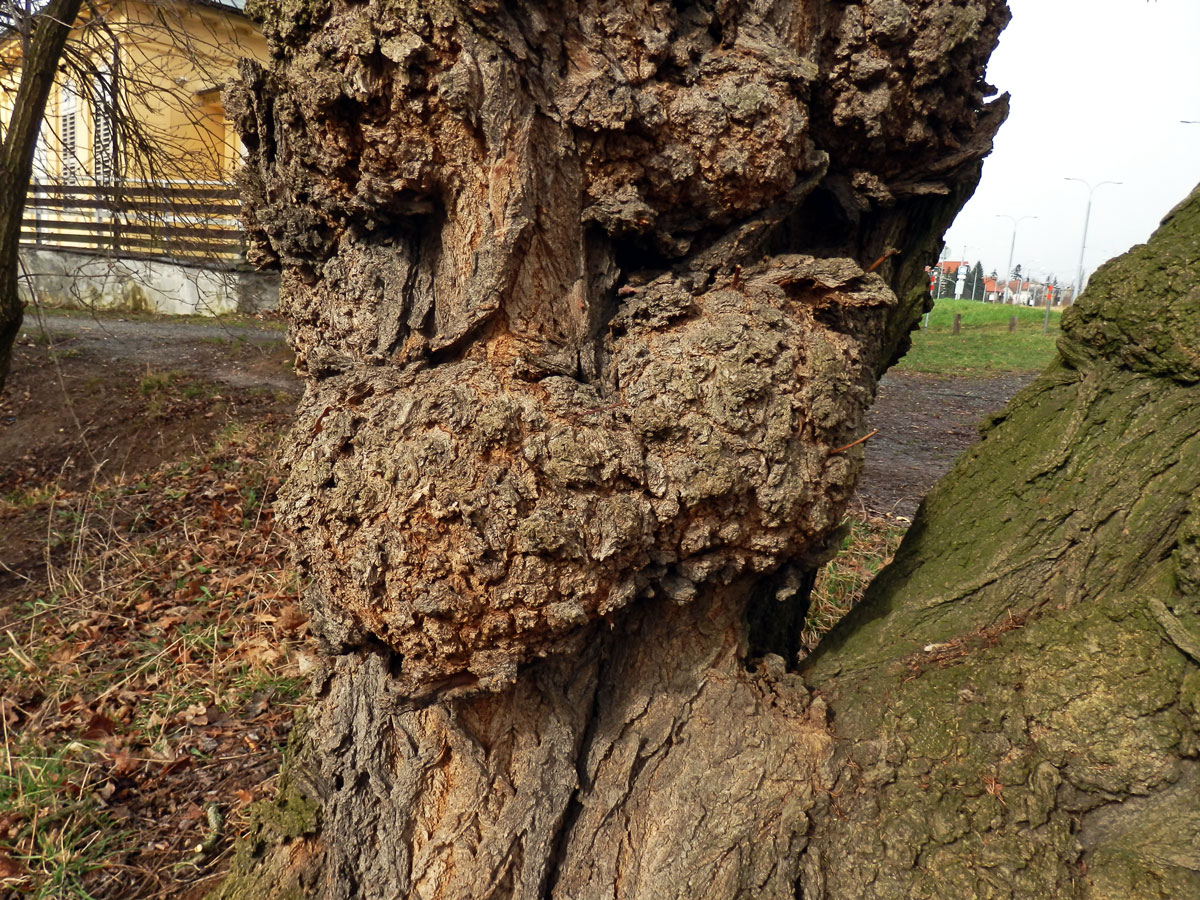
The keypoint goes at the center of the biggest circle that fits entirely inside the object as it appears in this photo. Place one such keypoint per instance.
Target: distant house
(162, 65)
(1031, 292)
(136, 157)
(1016, 291)
(1022, 291)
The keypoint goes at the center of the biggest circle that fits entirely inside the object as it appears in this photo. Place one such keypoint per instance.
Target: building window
(68, 109)
(104, 132)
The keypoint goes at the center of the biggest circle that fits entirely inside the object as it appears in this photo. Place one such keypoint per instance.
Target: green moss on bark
(1142, 310)
(275, 859)
(1016, 697)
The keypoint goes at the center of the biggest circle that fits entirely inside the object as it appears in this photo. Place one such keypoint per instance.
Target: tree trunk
(1018, 697)
(41, 53)
(592, 297)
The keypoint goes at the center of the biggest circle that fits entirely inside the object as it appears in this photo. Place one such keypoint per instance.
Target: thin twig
(891, 251)
(865, 437)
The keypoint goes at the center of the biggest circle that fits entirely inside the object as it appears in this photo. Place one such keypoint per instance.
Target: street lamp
(1012, 246)
(1086, 218)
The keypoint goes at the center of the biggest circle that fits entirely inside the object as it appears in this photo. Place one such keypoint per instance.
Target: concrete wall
(63, 278)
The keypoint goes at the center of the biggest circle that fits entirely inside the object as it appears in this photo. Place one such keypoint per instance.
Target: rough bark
(1018, 698)
(592, 297)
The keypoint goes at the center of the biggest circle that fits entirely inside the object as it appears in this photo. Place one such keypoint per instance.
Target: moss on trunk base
(1017, 694)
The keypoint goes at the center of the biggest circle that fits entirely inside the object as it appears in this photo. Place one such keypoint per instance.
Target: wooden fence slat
(145, 220)
(170, 232)
(147, 192)
(160, 248)
(208, 209)
(167, 248)
(104, 229)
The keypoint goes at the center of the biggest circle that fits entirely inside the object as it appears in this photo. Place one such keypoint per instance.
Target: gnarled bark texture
(592, 296)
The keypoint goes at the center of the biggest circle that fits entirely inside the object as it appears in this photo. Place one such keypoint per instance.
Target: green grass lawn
(984, 346)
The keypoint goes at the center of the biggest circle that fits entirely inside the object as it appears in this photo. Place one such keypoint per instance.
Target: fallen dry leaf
(9, 867)
(98, 726)
(292, 618)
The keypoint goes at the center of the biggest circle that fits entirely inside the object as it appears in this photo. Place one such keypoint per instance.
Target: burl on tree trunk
(591, 298)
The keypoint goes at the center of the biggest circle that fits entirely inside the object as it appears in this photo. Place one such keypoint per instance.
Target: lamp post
(1086, 218)
(1011, 247)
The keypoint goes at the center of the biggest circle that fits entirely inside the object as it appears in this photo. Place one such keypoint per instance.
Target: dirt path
(205, 349)
(925, 422)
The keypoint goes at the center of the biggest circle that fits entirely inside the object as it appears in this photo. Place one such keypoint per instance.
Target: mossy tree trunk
(1018, 697)
(592, 297)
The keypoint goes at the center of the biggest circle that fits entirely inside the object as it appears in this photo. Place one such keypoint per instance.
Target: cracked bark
(587, 299)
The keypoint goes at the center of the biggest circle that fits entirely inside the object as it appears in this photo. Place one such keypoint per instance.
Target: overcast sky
(1098, 91)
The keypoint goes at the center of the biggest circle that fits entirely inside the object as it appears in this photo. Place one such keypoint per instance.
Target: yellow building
(135, 154)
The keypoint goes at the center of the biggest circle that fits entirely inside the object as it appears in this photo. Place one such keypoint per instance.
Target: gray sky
(1098, 91)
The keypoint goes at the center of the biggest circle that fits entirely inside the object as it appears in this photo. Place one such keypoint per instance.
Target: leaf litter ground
(150, 636)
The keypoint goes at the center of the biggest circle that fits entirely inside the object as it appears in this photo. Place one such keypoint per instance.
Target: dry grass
(147, 674)
(869, 546)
